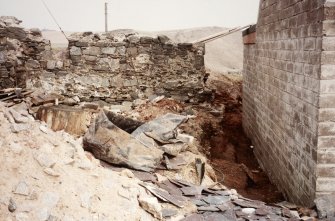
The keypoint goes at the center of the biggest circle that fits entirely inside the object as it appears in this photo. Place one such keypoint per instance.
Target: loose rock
(151, 205)
(22, 188)
(12, 205)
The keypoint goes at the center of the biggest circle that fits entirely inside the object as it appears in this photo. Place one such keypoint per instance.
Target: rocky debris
(29, 193)
(111, 144)
(22, 188)
(162, 130)
(12, 205)
(89, 187)
(45, 159)
(151, 205)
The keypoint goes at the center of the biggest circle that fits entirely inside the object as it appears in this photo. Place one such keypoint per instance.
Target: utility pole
(106, 15)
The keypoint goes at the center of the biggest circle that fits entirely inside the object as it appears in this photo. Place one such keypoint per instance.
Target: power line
(45, 5)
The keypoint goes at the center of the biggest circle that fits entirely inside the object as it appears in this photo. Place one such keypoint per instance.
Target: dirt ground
(218, 128)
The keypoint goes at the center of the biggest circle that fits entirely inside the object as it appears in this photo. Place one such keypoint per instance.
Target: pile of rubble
(48, 175)
(141, 158)
(21, 52)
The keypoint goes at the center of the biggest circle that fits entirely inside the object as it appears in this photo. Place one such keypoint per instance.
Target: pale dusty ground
(49, 176)
(78, 187)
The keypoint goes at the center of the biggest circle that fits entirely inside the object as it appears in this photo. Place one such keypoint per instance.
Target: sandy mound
(47, 174)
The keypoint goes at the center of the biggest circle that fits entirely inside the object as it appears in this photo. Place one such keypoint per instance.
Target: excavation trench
(217, 126)
(230, 151)
(232, 157)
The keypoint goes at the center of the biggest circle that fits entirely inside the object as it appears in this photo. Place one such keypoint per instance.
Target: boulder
(111, 144)
(162, 129)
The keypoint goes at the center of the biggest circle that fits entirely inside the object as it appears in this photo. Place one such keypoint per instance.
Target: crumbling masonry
(289, 95)
(113, 66)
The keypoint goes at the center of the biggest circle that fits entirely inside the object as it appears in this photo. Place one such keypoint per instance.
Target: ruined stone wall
(123, 66)
(281, 95)
(21, 52)
(326, 139)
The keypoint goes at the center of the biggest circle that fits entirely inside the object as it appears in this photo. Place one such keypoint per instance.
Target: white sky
(88, 15)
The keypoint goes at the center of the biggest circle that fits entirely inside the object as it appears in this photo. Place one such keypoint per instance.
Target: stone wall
(287, 114)
(122, 66)
(21, 52)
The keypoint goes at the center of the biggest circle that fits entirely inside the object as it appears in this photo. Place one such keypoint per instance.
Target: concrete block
(328, 57)
(327, 72)
(326, 156)
(329, 28)
(326, 142)
(325, 184)
(327, 114)
(310, 43)
(327, 86)
(327, 129)
(327, 101)
(328, 43)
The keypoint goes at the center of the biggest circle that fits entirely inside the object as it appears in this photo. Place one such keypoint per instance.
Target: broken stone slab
(192, 191)
(171, 188)
(169, 212)
(216, 200)
(145, 176)
(45, 159)
(210, 208)
(18, 118)
(174, 149)
(16, 128)
(151, 205)
(163, 195)
(226, 206)
(176, 163)
(194, 217)
(248, 204)
(109, 143)
(226, 216)
(287, 205)
(162, 129)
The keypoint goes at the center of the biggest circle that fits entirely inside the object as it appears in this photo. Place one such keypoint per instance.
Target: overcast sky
(84, 15)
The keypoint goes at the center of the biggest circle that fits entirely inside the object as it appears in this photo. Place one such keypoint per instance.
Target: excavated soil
(230, 151)
(217, 125)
